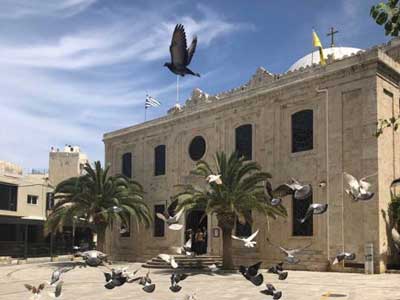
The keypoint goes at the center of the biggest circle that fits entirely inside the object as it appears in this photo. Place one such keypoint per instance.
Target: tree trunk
(101, 237)
(226, 223)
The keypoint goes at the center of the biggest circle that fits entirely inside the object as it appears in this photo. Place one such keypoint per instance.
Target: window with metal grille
(127, 164)
(197, 148)
(159, 160)
(244, 141)
(302, 131)
(299, 211)
(158, 223)
(8, 197)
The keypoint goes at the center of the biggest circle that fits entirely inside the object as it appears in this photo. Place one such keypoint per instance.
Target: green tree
(100, 199)
(241, 191)
(387, 15)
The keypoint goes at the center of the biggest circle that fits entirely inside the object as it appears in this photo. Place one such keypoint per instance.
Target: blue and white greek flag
(150, 101)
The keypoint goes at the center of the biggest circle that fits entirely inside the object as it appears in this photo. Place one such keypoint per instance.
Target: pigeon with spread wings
(171, 221)
(248, 242)
(291, 258)
(359, 189)
(270, 193)
(35, 290)
(314, 209)
(181, 56)
(294, 187)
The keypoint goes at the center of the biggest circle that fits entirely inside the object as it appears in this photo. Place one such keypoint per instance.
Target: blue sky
(71, 70)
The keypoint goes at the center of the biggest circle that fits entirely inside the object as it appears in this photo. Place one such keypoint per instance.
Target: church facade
(312, 123)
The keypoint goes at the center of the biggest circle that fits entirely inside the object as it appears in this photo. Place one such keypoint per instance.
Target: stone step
(198, 262)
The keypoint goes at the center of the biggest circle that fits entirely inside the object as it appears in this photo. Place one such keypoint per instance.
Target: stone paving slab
(87, 284)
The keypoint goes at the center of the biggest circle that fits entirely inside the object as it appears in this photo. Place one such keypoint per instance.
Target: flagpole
(177, 89)
(145, 113)
(312, 51)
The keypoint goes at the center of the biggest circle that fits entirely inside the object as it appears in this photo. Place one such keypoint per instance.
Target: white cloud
(73, 87)
(54, 8)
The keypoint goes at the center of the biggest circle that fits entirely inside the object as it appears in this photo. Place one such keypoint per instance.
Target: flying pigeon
(57, 290)
(214, 178)
(56, 275)
(314, 209)
(175, 279)
(169, 259)
(269, 192)
(93, 258)
(344, 256)
(180, 55)
(271, 291)
(248, 242)
(359, 189)
(251, 273)
(117, 277)
(278, 270)
(172, 221)
(35, 290)
(291, 259)
(186, 249)
(294, 187)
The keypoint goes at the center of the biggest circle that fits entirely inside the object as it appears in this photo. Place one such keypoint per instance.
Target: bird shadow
(194, 272)
(336, 296)
(67, 264)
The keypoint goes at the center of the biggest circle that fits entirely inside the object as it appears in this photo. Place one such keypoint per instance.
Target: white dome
(313, 58)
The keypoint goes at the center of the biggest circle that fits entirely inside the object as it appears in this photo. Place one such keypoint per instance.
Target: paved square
(87, 284)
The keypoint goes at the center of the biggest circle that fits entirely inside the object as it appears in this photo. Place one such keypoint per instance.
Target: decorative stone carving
(177, 108)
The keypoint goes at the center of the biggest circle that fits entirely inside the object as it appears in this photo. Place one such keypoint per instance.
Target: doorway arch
(195, 220)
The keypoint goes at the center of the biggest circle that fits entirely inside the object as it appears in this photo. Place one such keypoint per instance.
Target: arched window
(127, 164)
(197, 148)
(244, 141)
(302, 131)
(159, 160)
(299, 211)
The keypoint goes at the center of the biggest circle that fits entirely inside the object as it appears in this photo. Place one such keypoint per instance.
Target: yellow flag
(317, 44)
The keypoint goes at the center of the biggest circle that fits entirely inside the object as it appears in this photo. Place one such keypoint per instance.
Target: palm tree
(240, 192)
(99, 199)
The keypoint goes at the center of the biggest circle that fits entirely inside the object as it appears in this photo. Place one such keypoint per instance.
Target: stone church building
(312, 123)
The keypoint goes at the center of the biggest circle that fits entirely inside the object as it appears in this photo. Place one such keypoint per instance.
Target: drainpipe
(327, 164)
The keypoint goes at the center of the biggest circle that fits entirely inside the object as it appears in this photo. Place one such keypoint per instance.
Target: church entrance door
(196, 229)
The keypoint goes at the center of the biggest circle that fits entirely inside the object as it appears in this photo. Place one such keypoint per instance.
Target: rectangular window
(158, 223)
(159, 160)
(127, 164)
(8, 197)
(32, 199)
(244, 141)
(49, 200)
(302, 131)
(299, 211)
(125, 230)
